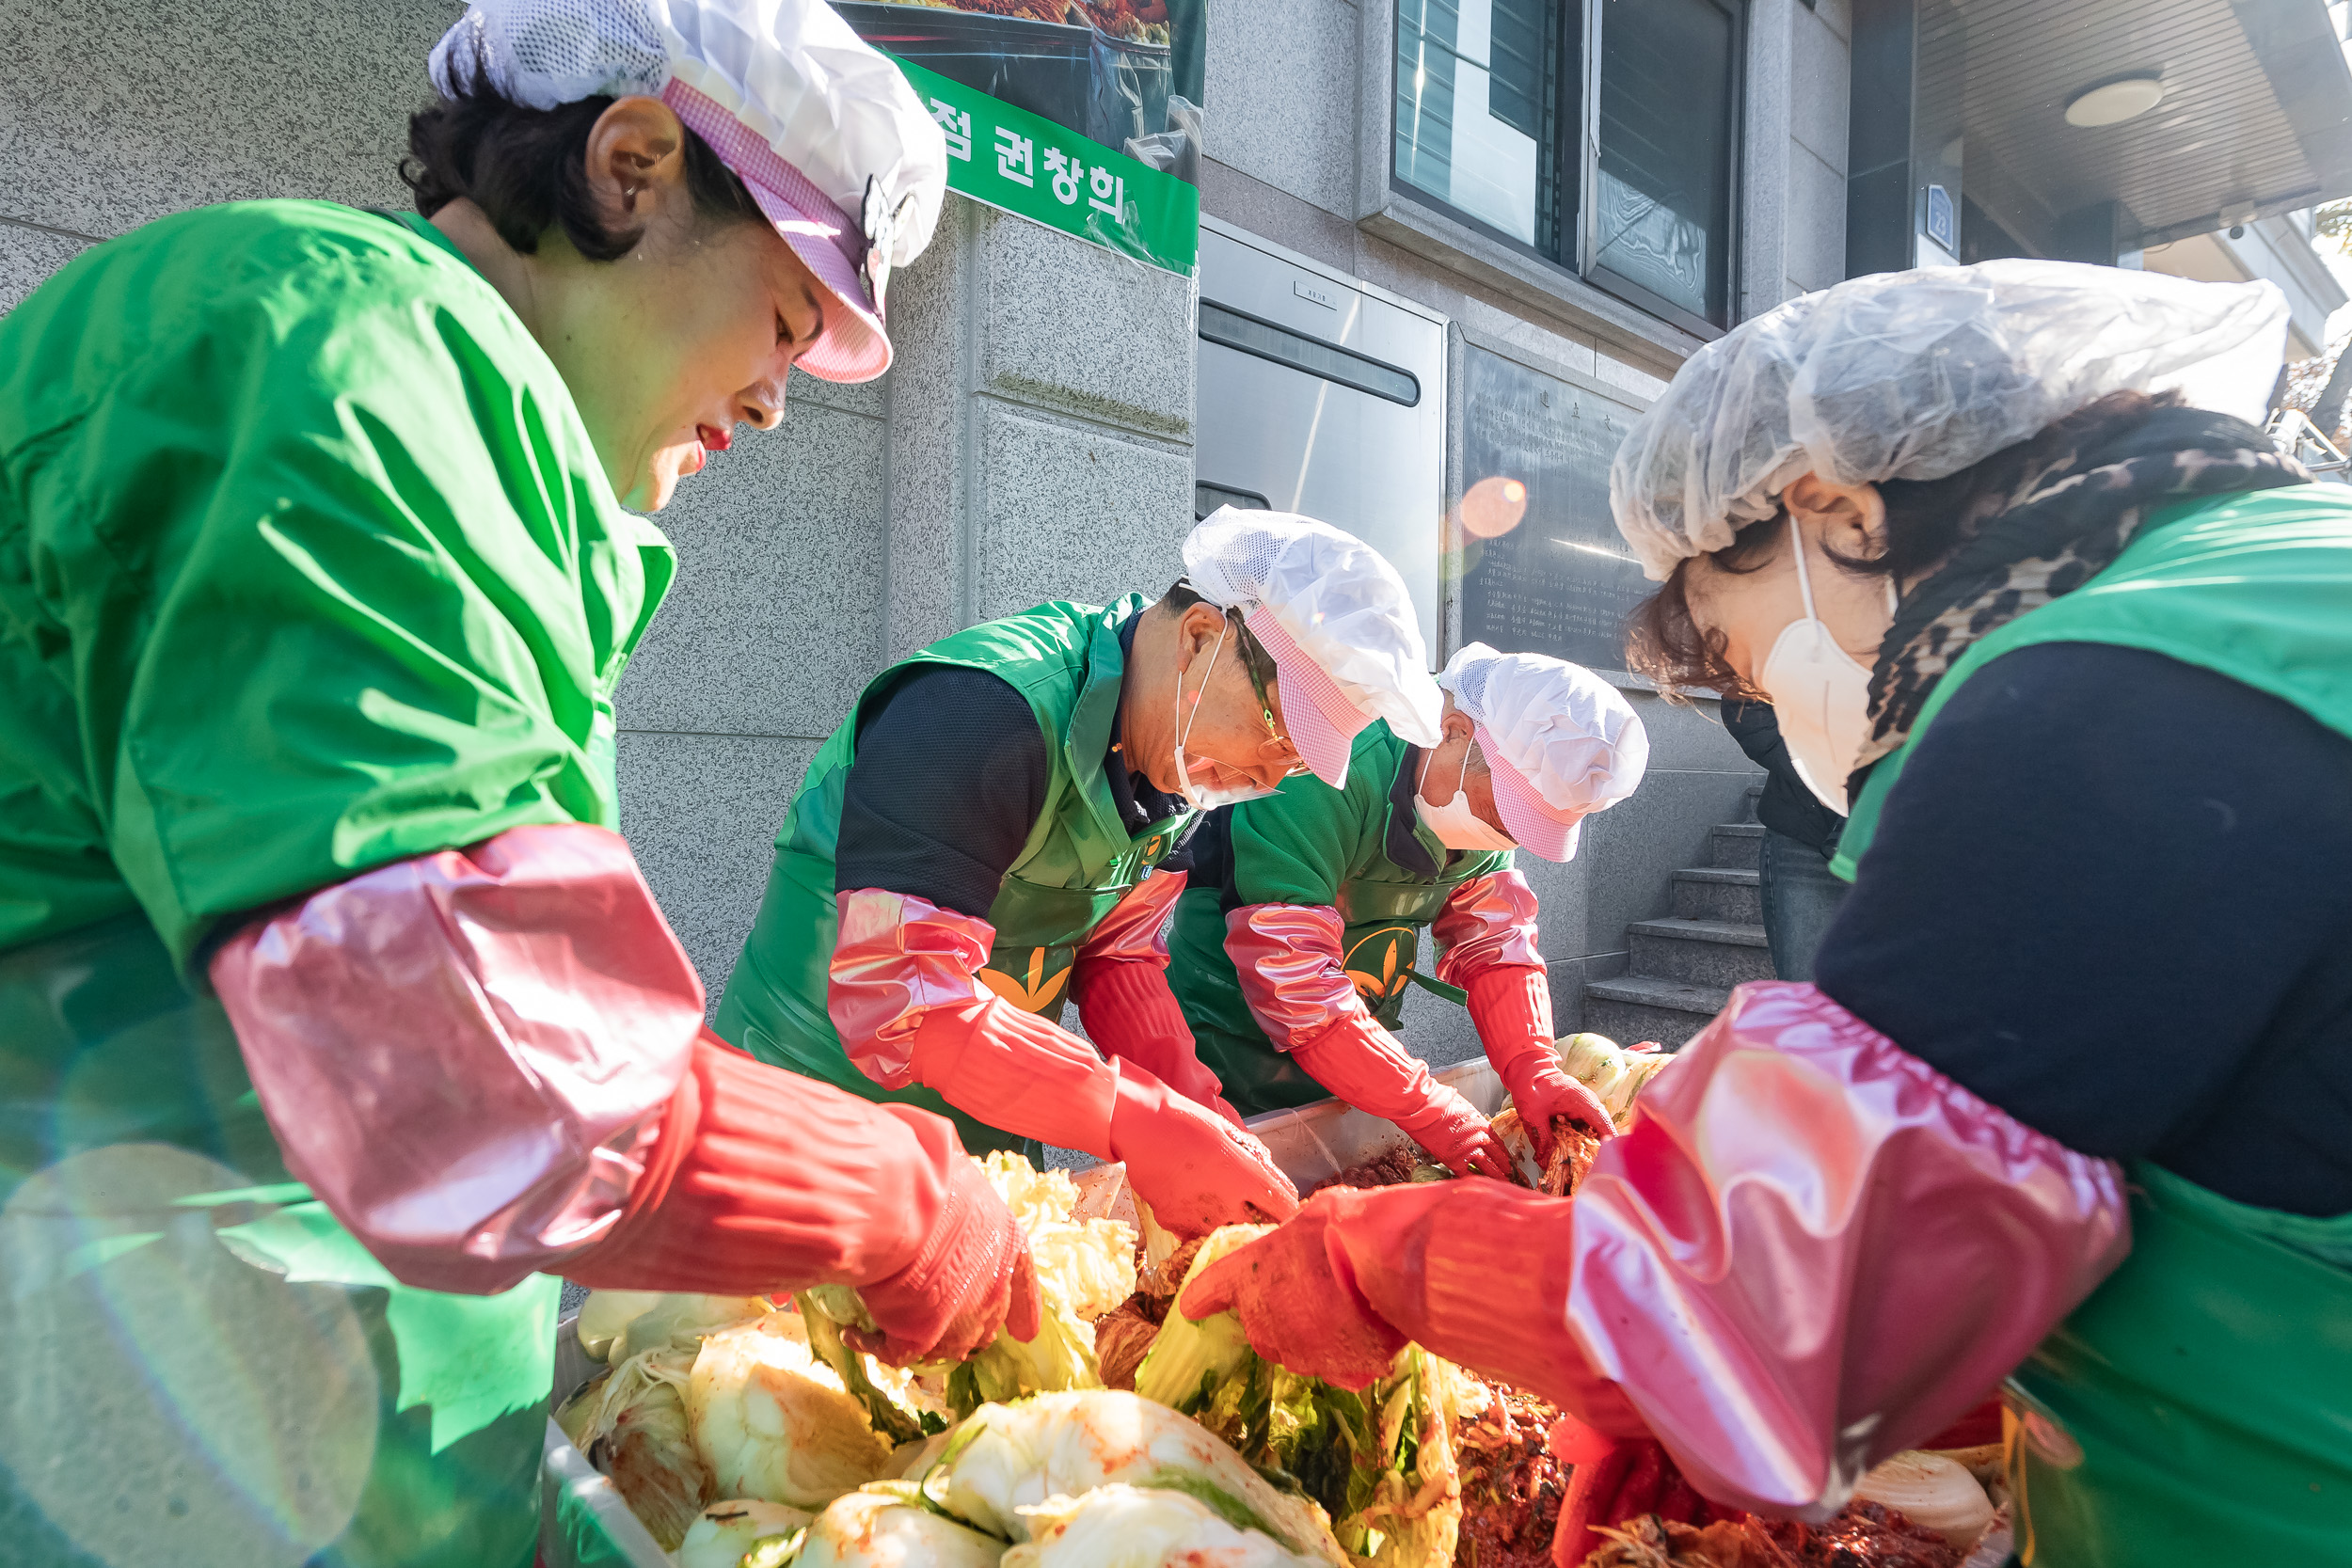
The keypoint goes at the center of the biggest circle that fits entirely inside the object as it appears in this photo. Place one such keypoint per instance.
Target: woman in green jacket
(2067, 1102)
(335, 1017)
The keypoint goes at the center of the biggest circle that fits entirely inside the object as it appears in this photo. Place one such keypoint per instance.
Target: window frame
(1390, 205)
(1589, 265)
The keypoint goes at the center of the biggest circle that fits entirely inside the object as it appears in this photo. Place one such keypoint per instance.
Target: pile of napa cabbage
(747, 1434)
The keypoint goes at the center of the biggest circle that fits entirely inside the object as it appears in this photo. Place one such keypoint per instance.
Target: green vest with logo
(1079, 860)
(1361, 850)
(2198, 1408)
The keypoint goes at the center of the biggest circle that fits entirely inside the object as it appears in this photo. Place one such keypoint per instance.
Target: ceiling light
(2113, 102)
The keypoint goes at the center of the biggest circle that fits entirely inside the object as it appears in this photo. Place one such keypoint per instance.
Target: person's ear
(1458, 726)
(637, 159)
(1850, 519)
(1196, 631)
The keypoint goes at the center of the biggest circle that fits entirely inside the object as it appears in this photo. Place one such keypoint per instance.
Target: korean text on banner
(1025, 164)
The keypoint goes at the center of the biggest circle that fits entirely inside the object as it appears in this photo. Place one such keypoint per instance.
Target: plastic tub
(583, 1522)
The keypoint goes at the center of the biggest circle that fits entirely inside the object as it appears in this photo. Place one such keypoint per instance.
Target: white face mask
(1206, 797)
(1457, 826)
(1820, 694)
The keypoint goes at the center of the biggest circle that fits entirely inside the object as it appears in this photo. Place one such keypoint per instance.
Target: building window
(1598, 134)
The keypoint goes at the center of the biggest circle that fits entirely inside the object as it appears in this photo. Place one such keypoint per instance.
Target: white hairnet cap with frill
(831, 141)
(1337, 619)
(1918, 375)
(1562, 742)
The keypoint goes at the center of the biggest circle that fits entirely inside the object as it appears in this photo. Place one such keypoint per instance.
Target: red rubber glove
(1130, 1013)
(762, 1181)
(971, 1278)
(1511, 1007)
(1296, 1298)
(1361, 1063)
(1478, 1274)
(1014, 1069)
(1196, 1170)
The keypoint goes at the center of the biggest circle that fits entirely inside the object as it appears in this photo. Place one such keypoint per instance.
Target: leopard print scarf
(2067, 520)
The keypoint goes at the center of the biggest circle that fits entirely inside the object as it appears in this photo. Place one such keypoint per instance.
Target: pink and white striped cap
(1560, 742)
(1335, 617)
(824, 130)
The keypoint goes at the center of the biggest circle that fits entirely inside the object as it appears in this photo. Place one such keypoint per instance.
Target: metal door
(1320, 396)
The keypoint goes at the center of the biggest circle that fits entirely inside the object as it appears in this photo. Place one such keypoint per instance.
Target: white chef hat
(1338, 621)
(1917, 374)
(834, 144)
(1560, 742)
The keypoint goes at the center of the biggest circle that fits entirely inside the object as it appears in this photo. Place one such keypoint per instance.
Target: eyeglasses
(1250, 649)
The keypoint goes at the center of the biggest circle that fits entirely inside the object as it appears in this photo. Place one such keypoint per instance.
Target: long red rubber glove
(1511, 1007)
(1487, 944)
(1119, 983)
(1012, 1069)
(1361, 1063)
(1288, 964)
(1130, 1013)
(1475, 1272)
(904, 995)
(762, 1180)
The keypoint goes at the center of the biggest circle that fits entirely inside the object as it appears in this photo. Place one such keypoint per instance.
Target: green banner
(1025, 164)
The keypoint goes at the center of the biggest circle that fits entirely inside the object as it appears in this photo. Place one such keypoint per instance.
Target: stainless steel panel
(1312, 446)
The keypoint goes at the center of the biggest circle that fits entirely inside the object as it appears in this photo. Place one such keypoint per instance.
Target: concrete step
(1735, 844)
(1718, 893)
(1700, 952)
(1635, 1007)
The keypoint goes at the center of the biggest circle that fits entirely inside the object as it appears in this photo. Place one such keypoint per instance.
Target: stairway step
(1635, 1007)
(1719, 892)
(1734, 933)
(1736, 845)
(1700, 952)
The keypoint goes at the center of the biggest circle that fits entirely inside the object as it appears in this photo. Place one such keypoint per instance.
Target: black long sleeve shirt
(2113, 895)
(952, 772)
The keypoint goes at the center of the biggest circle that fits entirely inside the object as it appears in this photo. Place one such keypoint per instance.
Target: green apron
(2197, 1410)
(307, 565)
(1079, 860)
(1361, 850)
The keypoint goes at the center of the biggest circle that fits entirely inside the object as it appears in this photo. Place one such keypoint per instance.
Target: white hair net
(1306, 589)
(797, 84)
(1918, 375)
(1569, 734)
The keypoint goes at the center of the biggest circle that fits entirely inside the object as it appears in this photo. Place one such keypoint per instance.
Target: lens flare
(1493, 507)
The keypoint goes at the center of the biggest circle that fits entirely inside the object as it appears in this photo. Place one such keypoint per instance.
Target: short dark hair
(527, 168)
(1182, 595)
(1926, 520)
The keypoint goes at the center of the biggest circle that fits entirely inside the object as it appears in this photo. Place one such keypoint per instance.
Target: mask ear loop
(1804, 581)
(1420, 786)
(1183, 731)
